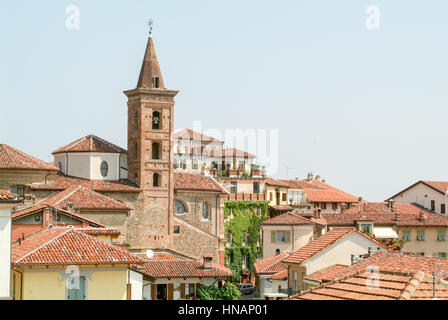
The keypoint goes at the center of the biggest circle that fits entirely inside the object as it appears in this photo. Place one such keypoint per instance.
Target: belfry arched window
(156, 180)
(156, 151)
(156, 120)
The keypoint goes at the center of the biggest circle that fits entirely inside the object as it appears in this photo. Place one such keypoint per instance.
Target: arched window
(156, 82)
(156, 120)
(135, 122)
(179, 207)
(104, 168)
(156, 180)
(156, 152)
(205, 213)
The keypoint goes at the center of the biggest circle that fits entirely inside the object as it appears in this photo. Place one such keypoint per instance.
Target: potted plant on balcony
(256, 170)
(233, 172)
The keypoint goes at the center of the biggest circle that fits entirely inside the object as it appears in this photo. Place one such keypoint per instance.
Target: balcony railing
(246, 197)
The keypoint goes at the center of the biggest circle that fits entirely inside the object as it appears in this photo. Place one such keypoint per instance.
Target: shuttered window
(280, 236)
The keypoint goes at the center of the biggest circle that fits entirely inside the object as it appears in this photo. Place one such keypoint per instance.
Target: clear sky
(365, 109)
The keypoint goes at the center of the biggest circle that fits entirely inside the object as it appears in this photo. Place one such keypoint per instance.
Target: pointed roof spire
(150, 75)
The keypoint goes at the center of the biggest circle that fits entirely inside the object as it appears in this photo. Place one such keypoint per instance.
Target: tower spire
(150, 75)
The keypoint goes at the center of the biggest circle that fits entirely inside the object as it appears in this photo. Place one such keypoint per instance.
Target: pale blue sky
(365, 109)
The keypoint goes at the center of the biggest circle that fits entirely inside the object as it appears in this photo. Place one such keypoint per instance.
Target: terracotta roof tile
(63, 246)
(289, 218)
(101, 231)
(62, 182)
(316, 195)
(276, 183)
(156, 268)
(193, 135)
(11, 158)
(281, 275)
(91, 143)
(192, 181)
(84, 198)
(327, 274)
(321, 243)
(271, 264)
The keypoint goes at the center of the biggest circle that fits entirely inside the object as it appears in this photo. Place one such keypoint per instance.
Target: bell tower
(150, 125)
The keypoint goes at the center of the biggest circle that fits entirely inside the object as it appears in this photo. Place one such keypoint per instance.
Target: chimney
(397, 215)
(310, 176)
(207, 261)
(317, 213)
(297, 178)
(318, 177)
(423, 215)
(323, 180)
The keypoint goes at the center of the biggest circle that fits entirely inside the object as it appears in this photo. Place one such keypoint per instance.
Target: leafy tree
(228, 292)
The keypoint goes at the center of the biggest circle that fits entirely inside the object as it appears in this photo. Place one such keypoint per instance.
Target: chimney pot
(310, 176)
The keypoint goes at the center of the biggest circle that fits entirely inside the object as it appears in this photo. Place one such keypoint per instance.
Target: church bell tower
(150, 125)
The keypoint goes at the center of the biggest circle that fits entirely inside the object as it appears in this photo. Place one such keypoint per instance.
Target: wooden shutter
(273, 234)
(170, 291)
(287, 236)
(196, 290)
(153, 292)
(182, 290)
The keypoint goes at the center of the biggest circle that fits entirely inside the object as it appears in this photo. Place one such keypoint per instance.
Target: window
(441, 235)
(156, 180)
(407, 235)
(184, 164)
(270, 196)
(195, 164)
(156, 151)
(244, 238)
(162, 292)
(135, 151)
(420, 235)
(241, 164)
(280, 236)
(233, 188)
(316, 204)
(366, 228)
(176, 229)
(295, 283)
(323, 205)
(433, 205)
(420, 254)
(205, 213)
(18, 190)
(284, 196)
(334, 206)
(229, 238)
(442, 208)
(176, 163)
(156, 120)
(441, 254)
(256, 187)
(104, 168)
(244, 261)
(277, 251)
(78, 291)
(179, 207)
(156, 82)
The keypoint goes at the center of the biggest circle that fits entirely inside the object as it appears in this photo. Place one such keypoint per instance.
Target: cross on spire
(150, 24)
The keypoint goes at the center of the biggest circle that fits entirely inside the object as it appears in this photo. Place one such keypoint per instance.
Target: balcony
(246, 197)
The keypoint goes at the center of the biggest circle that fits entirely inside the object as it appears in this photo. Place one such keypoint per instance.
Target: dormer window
(366, 228)
(156, 120)
(156, 82)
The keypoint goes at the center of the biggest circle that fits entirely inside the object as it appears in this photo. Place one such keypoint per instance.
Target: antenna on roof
(150, 24)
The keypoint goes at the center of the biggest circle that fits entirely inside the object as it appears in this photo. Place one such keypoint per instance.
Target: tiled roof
(289, 218)
(392, 262)
(439, 186)
(62, 182)
(326, 186)
(389, 286)
(300, 184)
(101, 231)
(91, 143)
(276, 183)
(156, 268)
(64, 246)
(192, 181)
(271, 264)
(327, 274)
(11, 158)
(281, 275)
(285, 207)
(5, 195)
(84, 198)
(40, 207)
(316, 195)
(193, 135)
(380, 214)
(228, 152)
(314, 247)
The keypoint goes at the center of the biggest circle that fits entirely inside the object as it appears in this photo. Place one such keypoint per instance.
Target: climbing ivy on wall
(244, 217)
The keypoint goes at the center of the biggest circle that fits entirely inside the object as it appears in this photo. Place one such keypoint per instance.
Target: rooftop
(193, 181)
(11, 158)
(289, 218)
(91, 143)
